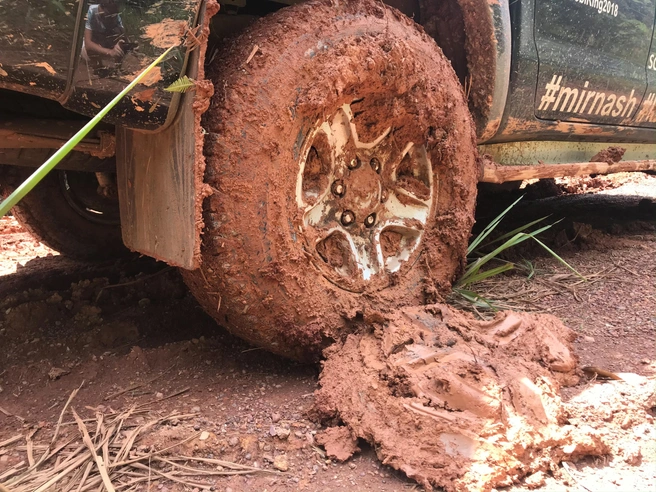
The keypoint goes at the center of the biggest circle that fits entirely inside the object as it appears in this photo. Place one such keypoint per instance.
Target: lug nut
(370, 220)
(338, 188)
(375, 164)
(354, 164)
(348, 218)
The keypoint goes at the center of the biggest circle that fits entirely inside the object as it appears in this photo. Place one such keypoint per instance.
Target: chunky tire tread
(256, 278)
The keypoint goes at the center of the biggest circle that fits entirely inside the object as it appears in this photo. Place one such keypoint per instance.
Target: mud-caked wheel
(67, 212)
(343, 162)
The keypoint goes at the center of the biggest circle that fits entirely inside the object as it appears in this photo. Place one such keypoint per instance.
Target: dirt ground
(140, 349)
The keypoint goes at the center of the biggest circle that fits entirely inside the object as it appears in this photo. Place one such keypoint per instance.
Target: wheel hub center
(362, 190)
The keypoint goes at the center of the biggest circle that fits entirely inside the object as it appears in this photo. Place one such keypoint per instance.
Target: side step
(496, 173)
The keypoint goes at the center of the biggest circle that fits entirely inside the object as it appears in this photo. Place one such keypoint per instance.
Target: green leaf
(528, 267)
(515, 240)
(519, 229)
(553, 253)
(476, 300)
(182, 85)
(473, 271)
(490, 227)
(490, 273)
(50, 164)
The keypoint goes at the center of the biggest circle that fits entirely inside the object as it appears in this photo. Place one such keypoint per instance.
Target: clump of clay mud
(454, 402)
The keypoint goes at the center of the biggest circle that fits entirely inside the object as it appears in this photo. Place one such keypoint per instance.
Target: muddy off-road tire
(65, 212)
(343, 162)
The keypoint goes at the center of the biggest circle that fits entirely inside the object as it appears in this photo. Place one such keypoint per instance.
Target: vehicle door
(592, 57)
(646, 115)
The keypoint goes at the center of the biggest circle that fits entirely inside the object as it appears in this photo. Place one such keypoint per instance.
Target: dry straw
(106, 455)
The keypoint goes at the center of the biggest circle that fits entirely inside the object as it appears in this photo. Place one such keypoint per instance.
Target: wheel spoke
(342, 140)
(398, 242)
(346, 110)
(316, 167)
(414, 173)
(401, 205)
(367, 253)
(323, 214)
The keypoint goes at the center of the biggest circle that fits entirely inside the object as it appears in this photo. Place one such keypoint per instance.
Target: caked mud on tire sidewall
(259, 277)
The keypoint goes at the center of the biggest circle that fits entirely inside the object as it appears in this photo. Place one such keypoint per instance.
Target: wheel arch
(486, 53)
(475, 35)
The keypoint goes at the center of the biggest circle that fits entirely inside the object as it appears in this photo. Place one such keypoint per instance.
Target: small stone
(228, 489)
(204, 436)
(196, 427)
(233, 441)
(280, 463)
(534, 481)
(283, 433)
(159, 395)
(645, 361)
(586, 339)
(56, 373)
(54, 299)
(195, 341)
(144, 302)
(195, 409)
(632, 454)
(275, 418)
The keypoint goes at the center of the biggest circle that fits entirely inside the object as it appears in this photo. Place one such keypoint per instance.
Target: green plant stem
(50, 164)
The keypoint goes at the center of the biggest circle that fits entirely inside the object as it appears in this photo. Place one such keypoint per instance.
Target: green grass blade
(475, 299)
(489, 228)
(519, 229)
(49, 165)
(490, 273)
(553, 253)
(515, 240)
(527, 266)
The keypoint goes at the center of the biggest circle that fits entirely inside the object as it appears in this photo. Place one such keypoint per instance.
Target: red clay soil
(609, 155)
(135, 336)
(454, 402)
(204, 90)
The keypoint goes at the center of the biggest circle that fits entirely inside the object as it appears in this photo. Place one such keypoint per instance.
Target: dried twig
(569, 472)
(136, 281)
(102, 458)
(9, 414)
(11, 440)
(253, 51)
(99, 461)
(138, 385)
